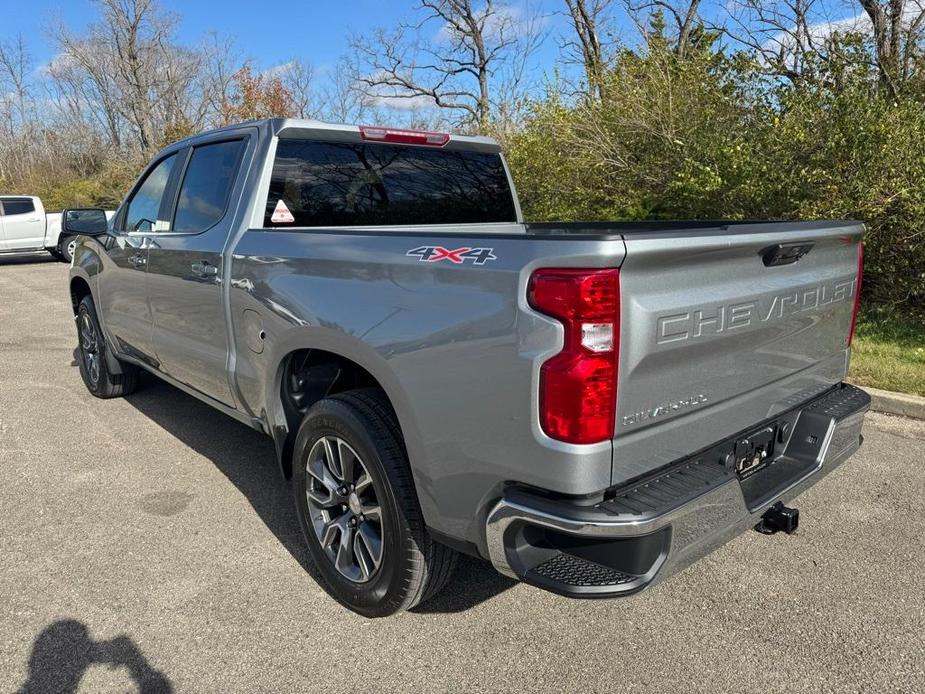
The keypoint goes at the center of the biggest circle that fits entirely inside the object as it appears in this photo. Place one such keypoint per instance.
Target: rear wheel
(92, 361)
(66, 247)
(359, 513)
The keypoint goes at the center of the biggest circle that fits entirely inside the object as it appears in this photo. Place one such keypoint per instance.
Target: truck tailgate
(721, 328)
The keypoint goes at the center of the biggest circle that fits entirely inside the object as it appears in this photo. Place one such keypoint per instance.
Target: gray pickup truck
(591, 407)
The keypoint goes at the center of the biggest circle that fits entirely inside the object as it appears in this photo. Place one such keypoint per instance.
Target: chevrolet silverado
(589, 406)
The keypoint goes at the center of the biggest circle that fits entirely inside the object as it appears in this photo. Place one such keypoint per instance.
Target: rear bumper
(646, 531)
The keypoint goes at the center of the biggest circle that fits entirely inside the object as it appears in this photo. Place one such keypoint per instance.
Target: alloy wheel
(89, 347)
(345, 513)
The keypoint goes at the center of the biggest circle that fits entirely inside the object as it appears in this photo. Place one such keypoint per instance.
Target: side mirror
(88, 221)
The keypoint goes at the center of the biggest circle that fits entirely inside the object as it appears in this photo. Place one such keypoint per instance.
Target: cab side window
(18, 206)
(206, 185)
(146, 202)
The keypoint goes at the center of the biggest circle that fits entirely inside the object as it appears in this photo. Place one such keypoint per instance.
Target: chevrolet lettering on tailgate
(717, 319)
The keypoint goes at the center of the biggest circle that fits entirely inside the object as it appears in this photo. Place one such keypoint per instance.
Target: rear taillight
(857, 293)
(404, 137)
(578, 386)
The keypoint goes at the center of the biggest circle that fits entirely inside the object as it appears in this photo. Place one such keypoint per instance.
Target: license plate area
(753, 452)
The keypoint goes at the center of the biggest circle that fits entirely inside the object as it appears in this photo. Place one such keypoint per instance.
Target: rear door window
(360, 184)
(18, 206)
(206, 185)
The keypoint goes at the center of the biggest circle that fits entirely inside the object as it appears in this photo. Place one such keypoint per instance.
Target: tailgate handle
(785, 253)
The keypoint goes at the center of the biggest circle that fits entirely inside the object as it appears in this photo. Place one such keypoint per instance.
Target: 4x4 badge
(434, 254)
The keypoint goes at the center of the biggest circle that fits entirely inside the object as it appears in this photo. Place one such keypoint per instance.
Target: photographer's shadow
(64, 651)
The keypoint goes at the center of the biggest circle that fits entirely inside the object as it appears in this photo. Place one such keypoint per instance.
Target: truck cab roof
(304, 128)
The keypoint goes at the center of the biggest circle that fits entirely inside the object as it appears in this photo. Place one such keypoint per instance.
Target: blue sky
(274, 33)
(269, 33)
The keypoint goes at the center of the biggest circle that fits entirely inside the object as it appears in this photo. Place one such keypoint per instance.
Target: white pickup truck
(25, 227)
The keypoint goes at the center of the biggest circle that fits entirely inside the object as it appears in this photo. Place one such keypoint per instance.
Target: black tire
(91, 357)
(413, 567)
(64, 251)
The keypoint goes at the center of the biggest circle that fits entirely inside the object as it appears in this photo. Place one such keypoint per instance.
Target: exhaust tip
(779, 518)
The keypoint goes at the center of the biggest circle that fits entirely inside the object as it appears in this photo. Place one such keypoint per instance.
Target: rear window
(18, 206)
(358, 184)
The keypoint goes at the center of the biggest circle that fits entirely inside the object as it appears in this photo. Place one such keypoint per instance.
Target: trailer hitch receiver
(777, 518)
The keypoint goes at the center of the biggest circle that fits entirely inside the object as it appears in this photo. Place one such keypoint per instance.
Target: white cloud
(516, 20)
(400, 103)
(58, 62)
(389, 97)
(278, 70)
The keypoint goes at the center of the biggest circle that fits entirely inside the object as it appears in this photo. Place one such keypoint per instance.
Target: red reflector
(857, 294)
(404, 137)
(578, 386)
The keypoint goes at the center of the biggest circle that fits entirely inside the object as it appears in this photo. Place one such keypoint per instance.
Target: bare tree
(794, 38)
(17, 109)
(298, 78)
(897, 27)
(339, 99)
(586, 18)
(781, 34)
(15, 66)
(475, 47)
(115, 91)
(83, 88)
(130, 68)
(220, 63)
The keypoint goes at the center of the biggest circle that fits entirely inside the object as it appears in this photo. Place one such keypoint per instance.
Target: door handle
(137, 260)
(204, 269)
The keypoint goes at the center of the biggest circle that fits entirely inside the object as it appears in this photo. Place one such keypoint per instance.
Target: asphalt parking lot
(148, 544)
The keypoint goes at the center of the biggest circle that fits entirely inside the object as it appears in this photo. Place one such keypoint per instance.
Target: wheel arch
(325, 365)
(80, 288)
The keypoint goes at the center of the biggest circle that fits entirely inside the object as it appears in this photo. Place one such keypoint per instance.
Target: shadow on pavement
(28, 258)
(64, 651)
(474, 582)
(247, 458)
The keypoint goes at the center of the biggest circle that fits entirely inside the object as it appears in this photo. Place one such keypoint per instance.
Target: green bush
(709, 136)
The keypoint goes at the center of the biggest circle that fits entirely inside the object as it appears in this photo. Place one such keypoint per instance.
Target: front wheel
(92, 361)
(359, 513)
